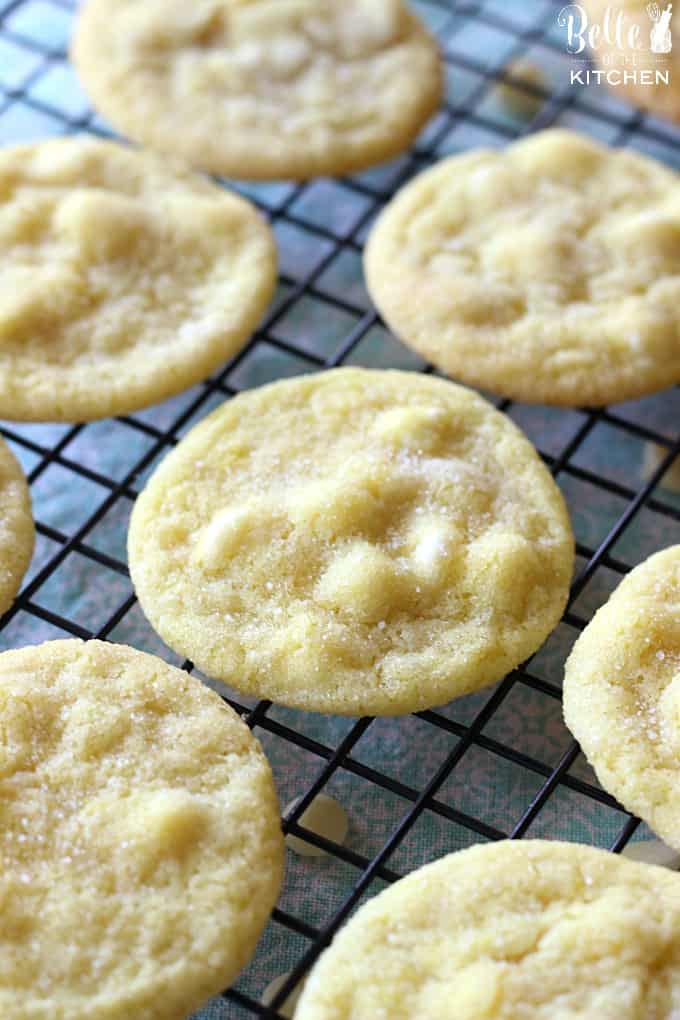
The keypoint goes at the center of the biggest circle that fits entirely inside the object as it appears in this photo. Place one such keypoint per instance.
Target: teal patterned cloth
(41, 97)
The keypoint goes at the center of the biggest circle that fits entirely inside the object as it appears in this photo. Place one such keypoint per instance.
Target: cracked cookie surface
(262, 88)
(140, 841)
(622, 693)
(533, 929)
(126, 279)
(356, 541)
(547, 272)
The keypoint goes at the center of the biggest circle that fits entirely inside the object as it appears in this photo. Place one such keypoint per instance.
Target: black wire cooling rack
(468, 791)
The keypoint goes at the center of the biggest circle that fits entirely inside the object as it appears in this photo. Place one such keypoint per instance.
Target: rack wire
(497, 764)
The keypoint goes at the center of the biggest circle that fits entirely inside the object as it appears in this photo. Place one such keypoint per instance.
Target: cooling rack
(499, 763)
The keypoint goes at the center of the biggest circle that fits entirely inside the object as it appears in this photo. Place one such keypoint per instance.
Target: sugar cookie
(531, 929)
(140, 839)
(356, 541)
(548, 272)
(17, 533)
(622, 693)
(264, 89)
(125, 279)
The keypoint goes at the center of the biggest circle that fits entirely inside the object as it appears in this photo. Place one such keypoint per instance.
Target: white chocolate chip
(248, 55)
(289, 53)
(230, 530)
(434, 542)
(430, 550)
(221, 538)
(413, 426)
(363, 580)
(288, 1007)
(653, 851)
(325, 817)
(372, 26)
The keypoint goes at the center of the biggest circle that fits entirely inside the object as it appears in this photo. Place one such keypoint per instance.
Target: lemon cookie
(549, 272)
(262, 88)
(529, 929)
(125, 279)
(633, 72)
(17, 533)
(140, 839)
(622, 693)
(356, 542)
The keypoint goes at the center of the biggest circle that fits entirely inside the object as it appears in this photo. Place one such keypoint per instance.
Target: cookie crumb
(288, 1008)
(655, 454)
(325, 817)
(653, 851)
(517, 100)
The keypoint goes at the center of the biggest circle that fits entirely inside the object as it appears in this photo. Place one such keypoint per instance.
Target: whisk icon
(661, 40)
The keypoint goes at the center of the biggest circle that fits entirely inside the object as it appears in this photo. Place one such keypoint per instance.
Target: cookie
(615, 56)
(548, 272)
(529, 929)
(17, 532)
(356, 541)
(262, 90)
(622, 693)
(126, 279)
(140, 839)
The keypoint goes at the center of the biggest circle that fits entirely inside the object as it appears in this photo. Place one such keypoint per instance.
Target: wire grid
(496, 764)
